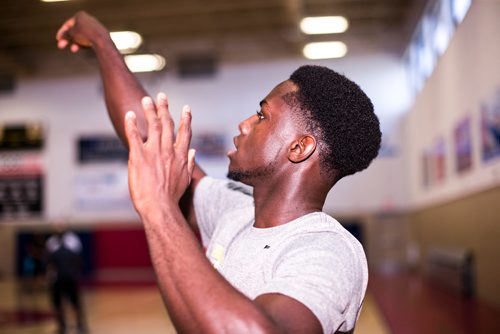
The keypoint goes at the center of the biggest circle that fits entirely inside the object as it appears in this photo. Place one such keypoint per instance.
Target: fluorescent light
(53, 0)
(323, 25)
(324, 50)
(145, 62)
(126, 41)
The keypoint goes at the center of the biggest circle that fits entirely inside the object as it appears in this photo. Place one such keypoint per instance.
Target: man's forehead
(279, 99)
(284, 87)
(281, 89)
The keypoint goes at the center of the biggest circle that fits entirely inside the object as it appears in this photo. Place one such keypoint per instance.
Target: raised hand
(160, 168)
(81, 30)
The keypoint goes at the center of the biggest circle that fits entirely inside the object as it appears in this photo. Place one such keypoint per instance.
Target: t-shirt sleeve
(213, 198)
(327, 279)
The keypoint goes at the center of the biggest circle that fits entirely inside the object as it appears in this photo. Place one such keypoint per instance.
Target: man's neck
(278, 205)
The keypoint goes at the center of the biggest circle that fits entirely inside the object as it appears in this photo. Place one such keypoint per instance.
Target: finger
(190, 166)
(154, 125)
(64, 28)
(132, 133)
(184, 133)
(167, 135)
(75, 48)
(61, 44)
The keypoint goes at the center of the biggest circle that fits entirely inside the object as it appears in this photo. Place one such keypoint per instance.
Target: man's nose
(245, 125)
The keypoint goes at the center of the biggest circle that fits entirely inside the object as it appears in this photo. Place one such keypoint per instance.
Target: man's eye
(260, 115)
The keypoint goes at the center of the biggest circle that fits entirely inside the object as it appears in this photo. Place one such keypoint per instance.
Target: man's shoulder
(210, 184)
(320, 230)
(315, 222)
(214, 194)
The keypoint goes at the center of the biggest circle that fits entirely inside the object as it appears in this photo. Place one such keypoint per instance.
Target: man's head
(316, 110)
(261, 147)
(341, 117)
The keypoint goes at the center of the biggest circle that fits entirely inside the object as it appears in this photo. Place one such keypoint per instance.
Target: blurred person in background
(64, 266)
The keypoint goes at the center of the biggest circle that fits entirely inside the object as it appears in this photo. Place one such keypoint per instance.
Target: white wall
(70, 107)
(467, 75)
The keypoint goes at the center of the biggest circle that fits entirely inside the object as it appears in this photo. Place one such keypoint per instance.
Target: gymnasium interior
(425, 210)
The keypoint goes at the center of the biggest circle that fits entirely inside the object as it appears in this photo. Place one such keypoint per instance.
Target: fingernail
(147, 100)
(186, 108)
(130, 115)
(162, 96)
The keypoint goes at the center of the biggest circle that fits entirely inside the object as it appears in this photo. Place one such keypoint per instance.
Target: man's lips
(235, 149)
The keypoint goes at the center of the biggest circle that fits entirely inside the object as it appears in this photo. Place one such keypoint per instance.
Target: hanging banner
(21, 186)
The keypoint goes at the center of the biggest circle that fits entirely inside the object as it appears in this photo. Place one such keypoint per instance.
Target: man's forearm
(196, 295)
(122, 90)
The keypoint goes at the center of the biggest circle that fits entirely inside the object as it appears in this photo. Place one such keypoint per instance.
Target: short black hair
(341, 117)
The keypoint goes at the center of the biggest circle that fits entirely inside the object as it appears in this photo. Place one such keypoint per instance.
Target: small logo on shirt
(267, 247)
(217, 255)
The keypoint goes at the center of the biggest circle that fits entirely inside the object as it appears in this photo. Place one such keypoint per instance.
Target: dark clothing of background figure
(64, 267)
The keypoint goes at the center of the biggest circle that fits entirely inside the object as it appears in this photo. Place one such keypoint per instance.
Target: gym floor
(399, 303)
(120, 310)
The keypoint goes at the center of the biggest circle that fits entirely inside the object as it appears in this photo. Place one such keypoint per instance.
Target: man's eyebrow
(262, 102)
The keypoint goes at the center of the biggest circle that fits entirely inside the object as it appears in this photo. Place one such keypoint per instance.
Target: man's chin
(235, 175)
(250, 176)
(239, 176)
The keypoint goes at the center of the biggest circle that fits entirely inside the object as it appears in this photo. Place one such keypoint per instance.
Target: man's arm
(197, 297)
(122, 90)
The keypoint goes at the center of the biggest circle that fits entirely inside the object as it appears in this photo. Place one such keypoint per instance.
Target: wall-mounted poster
(426, 169)
(102, 189)
(490, 128)
(434, 164)
(21, 170)
(101, 184)
(209, 144)
(21, 137)
(21, 185)
(211, 148)
(462, 139)
(439, 161)
(99, 149)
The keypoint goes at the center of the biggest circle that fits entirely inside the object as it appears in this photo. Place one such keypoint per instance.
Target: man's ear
(302, 148)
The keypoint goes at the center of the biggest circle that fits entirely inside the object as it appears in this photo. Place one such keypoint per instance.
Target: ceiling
(227, 30)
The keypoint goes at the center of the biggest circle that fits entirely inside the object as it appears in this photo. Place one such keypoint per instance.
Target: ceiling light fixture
(324, 25)
(145, 62)
(324, 50)
(53, 0)
(126, 41)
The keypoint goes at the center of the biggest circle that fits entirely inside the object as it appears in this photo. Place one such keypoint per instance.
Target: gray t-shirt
(312, 259)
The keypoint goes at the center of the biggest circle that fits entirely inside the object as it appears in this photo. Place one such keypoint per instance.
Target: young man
(274, 262)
